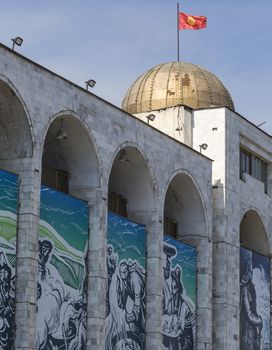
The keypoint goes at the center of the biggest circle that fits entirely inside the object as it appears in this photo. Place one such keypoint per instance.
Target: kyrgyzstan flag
(191, 22)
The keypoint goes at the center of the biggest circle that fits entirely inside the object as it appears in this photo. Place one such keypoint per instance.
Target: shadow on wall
(15, 136)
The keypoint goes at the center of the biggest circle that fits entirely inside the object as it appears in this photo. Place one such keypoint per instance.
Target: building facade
(74, 155)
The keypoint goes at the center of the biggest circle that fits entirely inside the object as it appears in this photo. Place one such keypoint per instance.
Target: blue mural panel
(62, 282)
(8, 227)
(254, 301)
(179, 295)
(125, 300)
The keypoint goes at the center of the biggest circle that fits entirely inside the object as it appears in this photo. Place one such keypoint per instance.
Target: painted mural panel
(254, 301)
(179, 295)
(8, 225)
(62, 282)
(125, 299)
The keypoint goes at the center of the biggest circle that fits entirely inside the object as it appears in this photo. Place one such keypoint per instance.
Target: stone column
(27, 256)
(226, 289)
(203, 246)
(96, 310)
(226, 271)
(154, 229)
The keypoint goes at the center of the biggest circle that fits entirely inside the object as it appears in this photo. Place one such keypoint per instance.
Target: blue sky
(114, 42)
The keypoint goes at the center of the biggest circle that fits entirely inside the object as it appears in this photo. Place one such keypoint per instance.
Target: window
(254, 166)
(56, 179)
(117, 204)
(245, 162)
(170, 227)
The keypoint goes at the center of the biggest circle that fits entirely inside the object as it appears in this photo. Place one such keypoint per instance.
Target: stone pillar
(27, 256)
(203, 246)
(226, 289)
(96, 310)
(154, 274)
(226, 271)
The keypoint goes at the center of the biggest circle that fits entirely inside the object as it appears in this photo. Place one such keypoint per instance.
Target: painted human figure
(45, 248)
(50, 297)
(111, 267)
(177, 306)
(131, 284)
(62, 319)
(250, 322)
(168, 253)
(6, 305)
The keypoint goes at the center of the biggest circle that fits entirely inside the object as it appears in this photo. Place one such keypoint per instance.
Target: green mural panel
(125, 300)
(62, 283)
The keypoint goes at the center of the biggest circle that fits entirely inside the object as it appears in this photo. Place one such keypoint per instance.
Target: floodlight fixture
(61, 134)
(203, 147)
(90, 83)
(150, 118)
(16, 41)
(123, 156)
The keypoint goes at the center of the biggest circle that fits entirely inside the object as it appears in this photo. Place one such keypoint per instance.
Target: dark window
(56, 179)
(170, 227)
(117, 204)
(254, 166)
(245, 162)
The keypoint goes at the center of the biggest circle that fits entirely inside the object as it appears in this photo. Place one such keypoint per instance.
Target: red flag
(191, 22)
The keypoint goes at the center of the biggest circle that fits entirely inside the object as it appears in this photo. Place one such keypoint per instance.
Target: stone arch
(131, 176)
(255, 280)
(75, 155)
(16, 140)
(253, 234)
(184, 204)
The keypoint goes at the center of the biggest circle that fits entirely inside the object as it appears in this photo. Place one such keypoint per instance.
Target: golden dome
(176, 83)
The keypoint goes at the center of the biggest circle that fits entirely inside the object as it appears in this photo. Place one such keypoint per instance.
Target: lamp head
(61, 134)
(90, 83)
(151, 117)
(17, 41)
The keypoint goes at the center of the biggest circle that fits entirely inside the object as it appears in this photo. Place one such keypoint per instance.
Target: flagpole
(178, 30)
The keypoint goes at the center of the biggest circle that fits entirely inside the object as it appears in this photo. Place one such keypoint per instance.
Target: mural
(62, 282)
(8, 224)
(125, 299)
(254, 301)
(179, 295)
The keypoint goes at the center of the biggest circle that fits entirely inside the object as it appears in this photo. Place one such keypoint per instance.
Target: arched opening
(69, 161)
(252, 233)
(15, 157)
(184, 213)
(185, 262)
(131, 205)
(254, 283)
(131, 189)
(15, 136)
(70, 179)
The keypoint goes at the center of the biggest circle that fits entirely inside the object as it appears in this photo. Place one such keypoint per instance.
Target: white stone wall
(224, 131)
(174, 121)
(45, 97)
